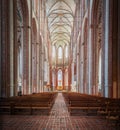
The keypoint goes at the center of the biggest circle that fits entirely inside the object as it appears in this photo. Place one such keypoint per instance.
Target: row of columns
(11, 59)
(102, 60)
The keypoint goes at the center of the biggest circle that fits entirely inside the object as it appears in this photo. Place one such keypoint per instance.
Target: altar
(60, 88)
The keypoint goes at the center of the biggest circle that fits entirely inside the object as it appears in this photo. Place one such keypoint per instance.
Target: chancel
(60, 64)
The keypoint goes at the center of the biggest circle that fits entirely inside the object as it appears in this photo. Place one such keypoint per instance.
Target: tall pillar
(106, 42)
(5, 50)
(56, 77)
(45, 72)
(32, 70)
(11, 34)
(63, 75)
(69, 77)
(118, 49)
(90, 61)
(81, 68)
(78, 65)
(42, 69)
(30, 50)
(110, 85)
(115, 47)
(90, 46)
(72, 69)
(48, 74)
(0, 43)
(37, 62)
(40, 66)
(78, 72)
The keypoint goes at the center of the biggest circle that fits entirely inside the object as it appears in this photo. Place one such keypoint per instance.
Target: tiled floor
(59, 119)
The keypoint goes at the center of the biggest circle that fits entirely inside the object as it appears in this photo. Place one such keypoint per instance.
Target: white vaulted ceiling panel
(60, 14)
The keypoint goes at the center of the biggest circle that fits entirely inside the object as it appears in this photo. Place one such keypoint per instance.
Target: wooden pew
(90, 104)
(41, 102)
(113, 118)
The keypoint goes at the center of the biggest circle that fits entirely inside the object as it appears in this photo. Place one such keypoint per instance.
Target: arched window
(66, 52)
(60, 53)
(53, 52)
(60, 77)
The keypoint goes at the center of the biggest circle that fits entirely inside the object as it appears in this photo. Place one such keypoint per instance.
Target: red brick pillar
(5, 49)
(69, 78)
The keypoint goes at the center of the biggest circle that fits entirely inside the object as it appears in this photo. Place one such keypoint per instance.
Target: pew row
(32, 104)
(83, 104)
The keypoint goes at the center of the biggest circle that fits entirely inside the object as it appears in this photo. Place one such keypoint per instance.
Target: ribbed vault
(60, 14)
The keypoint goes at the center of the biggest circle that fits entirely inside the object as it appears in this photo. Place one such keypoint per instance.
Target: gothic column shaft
(0, 42)
(118, 49)
(81, 68)
(106, 48)
(78, 73)
(11, 26)
(72, 68)
(30, 50)
(90, 84)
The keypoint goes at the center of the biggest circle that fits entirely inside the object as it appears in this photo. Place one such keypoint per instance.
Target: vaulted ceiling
(60, 14)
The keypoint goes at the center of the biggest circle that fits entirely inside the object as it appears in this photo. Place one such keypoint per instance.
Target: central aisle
(59, 117)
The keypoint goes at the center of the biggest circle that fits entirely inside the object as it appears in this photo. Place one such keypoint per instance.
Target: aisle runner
(59, 118)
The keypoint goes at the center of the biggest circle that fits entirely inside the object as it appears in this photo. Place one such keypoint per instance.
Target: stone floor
(59, 119)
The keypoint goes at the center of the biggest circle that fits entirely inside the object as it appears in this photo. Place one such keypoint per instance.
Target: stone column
(32, 69)
(90, 76)
(110, 49)
(42, 69)
(69, 77)
(40, 66)
(106, 42)
(72, 68)
(78, 71)
(63, 75)
(48, 74)
(37, 62)
(11, 34)
(81, 68)
(90, 46)
(30, 50)
(56, 78)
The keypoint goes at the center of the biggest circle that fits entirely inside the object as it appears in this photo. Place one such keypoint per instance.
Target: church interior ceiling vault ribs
(60, 45)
